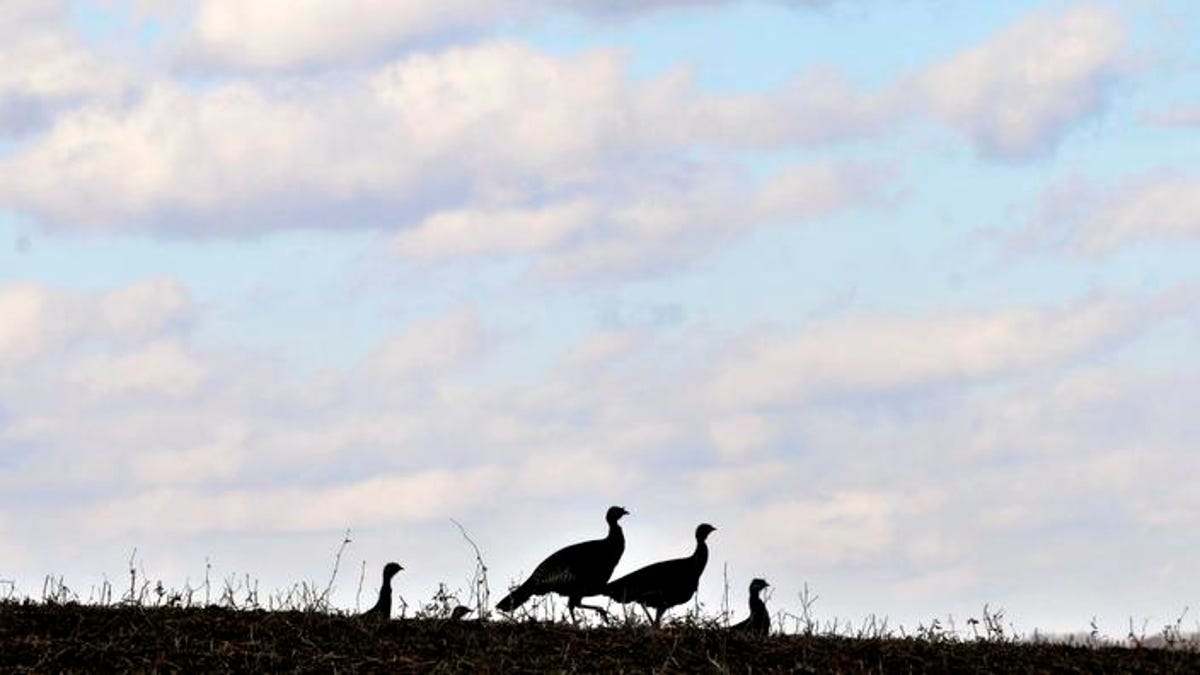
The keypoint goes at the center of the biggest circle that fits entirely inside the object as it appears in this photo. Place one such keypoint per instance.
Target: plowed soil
(51, 638)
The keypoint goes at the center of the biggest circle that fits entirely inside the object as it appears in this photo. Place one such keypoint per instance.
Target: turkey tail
(514, 600)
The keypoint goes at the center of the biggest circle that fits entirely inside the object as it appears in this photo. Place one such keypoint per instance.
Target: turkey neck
(616, 539)
(385, 591)
(756, 603)
(616, 536)
(700, 555)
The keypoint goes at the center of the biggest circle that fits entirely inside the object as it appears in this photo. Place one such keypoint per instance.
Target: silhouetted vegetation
(48, 637)
(230, 626)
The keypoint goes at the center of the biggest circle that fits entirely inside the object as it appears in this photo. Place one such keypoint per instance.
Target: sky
(902, 297)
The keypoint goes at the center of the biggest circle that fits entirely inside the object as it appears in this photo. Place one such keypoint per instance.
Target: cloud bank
(1016, 94)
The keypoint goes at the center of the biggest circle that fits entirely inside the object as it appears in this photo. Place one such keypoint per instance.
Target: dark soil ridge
(81, 638)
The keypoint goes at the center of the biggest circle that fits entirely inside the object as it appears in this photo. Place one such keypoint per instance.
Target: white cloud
(1183, 117)
(489, 150)
(384, 499)
(1167, 208)
(817, 444)
(1093, 218)
(176, 152)
(14, 552)
(644, 226)
(281, 35)
(273, 34)
(26, 318)
(879, 354)
(603, 350)
(265, 452)
(432, 346)
(164, 368)
(40, 320)
(576, 472)
(19, 15)
(495, 131)
(1018, 93)
(145, 308)
(427, 130)
(488, 231)
(739, 435)
(816, 107)
(469, 142)
(808, 191)
(214, 460)
(45, 69)
(736, 484)
(43, 73)
(845, 527)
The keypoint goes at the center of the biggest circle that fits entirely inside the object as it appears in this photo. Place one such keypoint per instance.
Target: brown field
(51, 637)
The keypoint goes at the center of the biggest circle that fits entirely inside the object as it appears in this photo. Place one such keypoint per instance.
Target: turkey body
(663, 585)
(383, 606)
(759, 621)
(576, 571)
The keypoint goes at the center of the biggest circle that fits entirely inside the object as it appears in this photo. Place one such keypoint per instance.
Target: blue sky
(900, 296)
